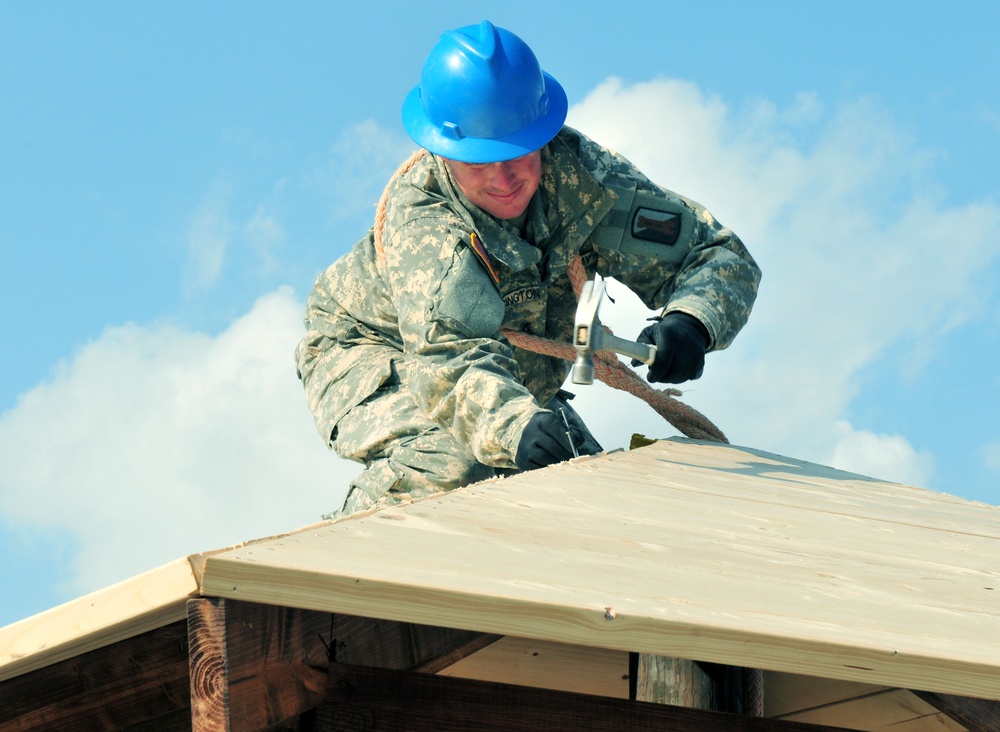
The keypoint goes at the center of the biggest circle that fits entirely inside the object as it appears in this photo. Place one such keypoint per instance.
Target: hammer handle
(642, 351)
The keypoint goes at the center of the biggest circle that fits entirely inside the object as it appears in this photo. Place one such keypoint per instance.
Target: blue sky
(175, 175)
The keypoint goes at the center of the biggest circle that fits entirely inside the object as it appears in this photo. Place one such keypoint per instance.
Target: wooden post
(675, 681)
(254, 666)
(698, 685)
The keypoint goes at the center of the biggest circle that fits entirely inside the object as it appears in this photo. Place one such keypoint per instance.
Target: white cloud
(991, 456)
(361, 161)
(266, 236)
(155, 442)
(859, 261)
(889, 457)
(990, 116)
(208, 238)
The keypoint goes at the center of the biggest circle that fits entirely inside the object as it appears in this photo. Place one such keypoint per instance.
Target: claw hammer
(590, 336)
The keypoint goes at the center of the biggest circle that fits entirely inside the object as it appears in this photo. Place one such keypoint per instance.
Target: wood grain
(137, 605)
(679, 549)
(254, 666)
(394, 701)
(137, 683)
(547, 665)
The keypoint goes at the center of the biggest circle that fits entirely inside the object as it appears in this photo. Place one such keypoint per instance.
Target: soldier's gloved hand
(681, 341)
(543, 442)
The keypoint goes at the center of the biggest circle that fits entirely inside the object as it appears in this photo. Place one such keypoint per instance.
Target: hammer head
(586, 331)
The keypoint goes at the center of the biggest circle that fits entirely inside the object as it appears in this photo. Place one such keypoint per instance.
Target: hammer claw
(590, 336)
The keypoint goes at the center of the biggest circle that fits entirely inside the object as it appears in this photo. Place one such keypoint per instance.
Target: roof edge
(124, 610)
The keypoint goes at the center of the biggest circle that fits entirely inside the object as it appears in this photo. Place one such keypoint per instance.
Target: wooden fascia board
(124, 610)
(135, 606)
(585, 625)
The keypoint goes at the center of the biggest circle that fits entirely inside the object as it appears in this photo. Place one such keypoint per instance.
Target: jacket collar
(566, 208)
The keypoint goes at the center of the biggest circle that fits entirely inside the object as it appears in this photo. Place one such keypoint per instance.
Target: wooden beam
(547, 665)
(139, 682)
(976, 715)
(254, 666)
(381, 700)
(388, 644)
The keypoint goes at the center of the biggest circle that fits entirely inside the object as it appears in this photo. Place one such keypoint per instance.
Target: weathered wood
(254, 666)
(713, 686)
(976, 715)
(388, 644)
(137, 683)
(675, 681)
(127, 609)
(209, 670)
(380, 700)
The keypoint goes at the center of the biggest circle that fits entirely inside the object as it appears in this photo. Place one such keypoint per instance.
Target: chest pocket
(468, 301)
(643, 226)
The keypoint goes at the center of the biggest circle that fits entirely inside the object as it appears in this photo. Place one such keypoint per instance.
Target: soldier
(405, 365)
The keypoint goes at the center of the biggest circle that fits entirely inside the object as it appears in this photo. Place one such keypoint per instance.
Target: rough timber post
(710, 686)
(675, 681)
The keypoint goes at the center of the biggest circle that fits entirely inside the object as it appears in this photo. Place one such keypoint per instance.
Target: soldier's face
(502, 189)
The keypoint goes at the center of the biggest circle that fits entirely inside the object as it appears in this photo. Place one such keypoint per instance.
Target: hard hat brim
(428, 135)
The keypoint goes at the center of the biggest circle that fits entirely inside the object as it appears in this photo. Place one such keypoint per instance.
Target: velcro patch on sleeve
(661, 227)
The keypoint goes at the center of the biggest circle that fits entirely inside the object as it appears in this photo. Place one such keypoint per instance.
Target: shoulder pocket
(644, 224)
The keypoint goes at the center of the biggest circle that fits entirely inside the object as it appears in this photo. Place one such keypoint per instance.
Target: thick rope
(754, 691)
(607, 366)
(618, 375)
(383, 200)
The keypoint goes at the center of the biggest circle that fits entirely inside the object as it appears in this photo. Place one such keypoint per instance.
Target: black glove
(544, 442)
(681, 341)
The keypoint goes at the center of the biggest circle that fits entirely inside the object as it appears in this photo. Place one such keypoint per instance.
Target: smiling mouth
(507, 197)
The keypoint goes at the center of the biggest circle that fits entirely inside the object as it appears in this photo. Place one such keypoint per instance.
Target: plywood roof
(680, 548)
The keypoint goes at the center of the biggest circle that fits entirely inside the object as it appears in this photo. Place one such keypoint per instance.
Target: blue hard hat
(483, 98)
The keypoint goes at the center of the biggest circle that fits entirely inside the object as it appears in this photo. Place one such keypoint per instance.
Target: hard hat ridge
(483, 97)
(484, 46)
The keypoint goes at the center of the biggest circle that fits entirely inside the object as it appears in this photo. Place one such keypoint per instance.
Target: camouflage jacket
(452, 277)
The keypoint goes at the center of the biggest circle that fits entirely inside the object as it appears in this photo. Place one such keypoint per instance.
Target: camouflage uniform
(404, 364)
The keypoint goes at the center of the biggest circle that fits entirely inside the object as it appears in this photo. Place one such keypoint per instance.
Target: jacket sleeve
(671, 251)
(340, 359)
(710, 275)
(459, 370)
